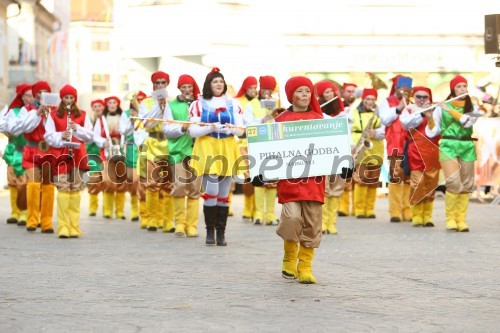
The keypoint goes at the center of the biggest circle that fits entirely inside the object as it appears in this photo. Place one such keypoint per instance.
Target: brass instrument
(364, 142)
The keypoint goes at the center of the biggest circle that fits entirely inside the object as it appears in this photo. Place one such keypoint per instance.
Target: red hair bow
(219, 110)
(215, 69)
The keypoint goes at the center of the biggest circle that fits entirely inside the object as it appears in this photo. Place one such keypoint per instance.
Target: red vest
(63, 163)
(423, 152)
(395, 132)
(302, 189)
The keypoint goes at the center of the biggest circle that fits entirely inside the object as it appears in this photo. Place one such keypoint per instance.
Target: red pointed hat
(267, 82)
(247, 83)
(140, 96)
(17, 102)
(421, 88)
(346, 84)
(40, 85)
(97, 101)
(188, 79)
(160, 75)
(369, 92)
(456, 80)
(298, 81)
(107, 99)
(68, 90)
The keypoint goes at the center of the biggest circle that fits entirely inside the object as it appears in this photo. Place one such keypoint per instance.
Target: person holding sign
(453, 121)
(368, 138)
(326, 91)
(13, 156)
(131, 153)
(247, 96)
(154, 147)
(215, 151)
(66, 131)
(94, 184)
(262, 111)
(300, 222)
(423, 158)
(107, 137)
(186, 187)
(39, 189)
(399, 183)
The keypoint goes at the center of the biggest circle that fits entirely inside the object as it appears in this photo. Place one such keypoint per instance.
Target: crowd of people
(162, 152)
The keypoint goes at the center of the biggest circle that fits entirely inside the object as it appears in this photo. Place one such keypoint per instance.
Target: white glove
(218, 127)
(464, 119)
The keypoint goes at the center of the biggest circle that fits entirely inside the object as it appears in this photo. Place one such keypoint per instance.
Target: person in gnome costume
(67, 130)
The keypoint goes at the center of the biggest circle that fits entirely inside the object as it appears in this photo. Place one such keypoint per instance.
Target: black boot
(222, 214)
(210, 213)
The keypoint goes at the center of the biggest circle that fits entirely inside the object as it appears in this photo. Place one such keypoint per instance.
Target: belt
(460, 138)
(158, 136)
(41, 145)
(357, 131)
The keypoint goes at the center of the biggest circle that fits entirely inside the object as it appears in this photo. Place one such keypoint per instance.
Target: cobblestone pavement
(373, 276)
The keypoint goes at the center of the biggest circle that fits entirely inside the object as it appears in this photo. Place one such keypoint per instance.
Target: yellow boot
(74, 215)
(395, 207)
(180, 216)
(371, 197)
(168, 205)
(93, 204)
(153, 209)
(428, 209)
(134, 208)
(306, 255)
(107, 205)
(230, 198)
(461, 208)
(120, 205)
(360, 200)
(23, 216)
(14, 215)
(192, 215)
(332, 221)
(325, 214)
(63, 214)
(260, 197)
(143, 212)
(271, 218)
(418, 214)
(247, 207)
(345, 203)
(33, 193)
(407, 211)
(47, 208)
(289, 268)
(450, 206)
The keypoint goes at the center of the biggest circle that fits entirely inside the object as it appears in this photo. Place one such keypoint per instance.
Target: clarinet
(68, 120)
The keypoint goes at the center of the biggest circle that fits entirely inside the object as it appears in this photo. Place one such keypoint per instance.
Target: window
(100, 83)
(125, 84)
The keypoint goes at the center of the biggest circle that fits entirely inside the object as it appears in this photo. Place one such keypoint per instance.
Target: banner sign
(299, 149)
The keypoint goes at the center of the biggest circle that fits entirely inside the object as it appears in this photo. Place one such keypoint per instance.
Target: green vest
(131, 148)
(13, 154)
(182, 146)
(449, 148)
